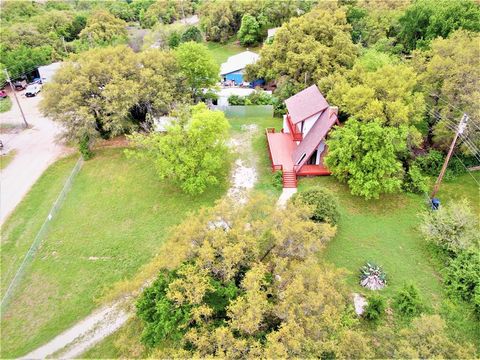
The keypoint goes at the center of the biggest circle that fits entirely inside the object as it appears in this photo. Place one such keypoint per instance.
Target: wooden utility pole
(460, 130)
(15, 96)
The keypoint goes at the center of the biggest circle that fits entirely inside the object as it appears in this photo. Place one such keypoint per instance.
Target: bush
(407, 302)
(375, 308)
(415, 181)
(236, 100)
(462, 278)
(454, 227)
(277, 179)
(324, 202)
(84, 147)
(258, 97)
(192, 33)
(372, 276)
(431, 164)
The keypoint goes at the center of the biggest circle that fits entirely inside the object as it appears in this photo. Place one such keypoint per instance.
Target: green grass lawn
(385, 231)
(7, 158)
(112, 222)
(262, 119)
(221, 52)
(5, 104)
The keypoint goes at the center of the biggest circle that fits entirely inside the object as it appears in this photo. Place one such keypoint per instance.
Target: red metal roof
(316, 134)
(306, 103)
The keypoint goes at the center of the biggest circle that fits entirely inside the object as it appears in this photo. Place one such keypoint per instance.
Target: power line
(16, 98)
(460, 129)
(472, 122)
(466, 168)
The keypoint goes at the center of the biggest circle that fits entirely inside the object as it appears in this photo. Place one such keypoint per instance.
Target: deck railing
(296, 134)
(274, 167)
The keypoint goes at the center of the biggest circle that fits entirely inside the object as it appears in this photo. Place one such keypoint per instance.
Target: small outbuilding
(233, 69)
(47, 72)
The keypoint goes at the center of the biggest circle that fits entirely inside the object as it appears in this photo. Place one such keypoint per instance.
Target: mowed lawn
(221, 52)
(240, 120)
(112, 222)
(385, 231)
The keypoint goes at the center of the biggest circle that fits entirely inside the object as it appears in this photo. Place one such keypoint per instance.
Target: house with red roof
(299, 149)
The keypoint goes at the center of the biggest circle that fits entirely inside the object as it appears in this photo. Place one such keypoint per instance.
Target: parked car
(3, 94)
(20, 84)
(32, 90)
(37, 81)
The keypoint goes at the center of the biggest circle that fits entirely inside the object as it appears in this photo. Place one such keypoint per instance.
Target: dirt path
(105, 321)
(36, 148)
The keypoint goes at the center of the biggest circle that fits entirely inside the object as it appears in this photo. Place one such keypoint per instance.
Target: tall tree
(425, 20)
(106, 92)
(450, 76)
(248, 285)
(191, 153)
(365, 156)
(307, 49)
(250, 31)
(103, 28)
(218, 20)
(197, 66)
(389, 93)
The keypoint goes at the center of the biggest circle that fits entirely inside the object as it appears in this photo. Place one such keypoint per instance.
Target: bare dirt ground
(36, 148)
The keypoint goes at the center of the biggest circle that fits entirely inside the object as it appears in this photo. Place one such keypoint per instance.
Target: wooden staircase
(289, 179)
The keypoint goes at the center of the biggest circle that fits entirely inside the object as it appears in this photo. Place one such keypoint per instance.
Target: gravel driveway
(36, 148)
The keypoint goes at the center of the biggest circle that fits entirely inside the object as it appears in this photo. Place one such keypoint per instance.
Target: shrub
(236, 100)
(192, 33)
(454, 227)
(375, 308)
(372, 276)
(415, 181)
(462, 278)
(408, 302)
(325, 203)
(277, 179)
(258, 97)
(84, 147)
(432, 163)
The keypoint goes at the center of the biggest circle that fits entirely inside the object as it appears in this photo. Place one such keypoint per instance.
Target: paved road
(36, 148)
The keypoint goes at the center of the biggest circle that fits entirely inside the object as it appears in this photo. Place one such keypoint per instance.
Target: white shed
(48, 71)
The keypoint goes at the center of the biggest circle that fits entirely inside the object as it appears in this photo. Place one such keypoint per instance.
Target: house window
(313, 159)
(301, 158)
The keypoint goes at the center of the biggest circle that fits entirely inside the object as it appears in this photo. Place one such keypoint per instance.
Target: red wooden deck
(281, 148)
(313, 170)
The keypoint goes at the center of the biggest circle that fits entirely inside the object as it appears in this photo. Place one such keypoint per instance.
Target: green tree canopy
(450, 70)
(390, 93)
(425, 20)
(246, 280)
(105, 92)
(197, 66)
(191, 153)
(307, 49)
(217, 19)
(250, 32)
(365, 156)
(103, 28)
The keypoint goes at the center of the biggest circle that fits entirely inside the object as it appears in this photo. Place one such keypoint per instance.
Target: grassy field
(5, 104)
(221, 52)
(6, 159)
(385, 231)
(262, 119)
(112, 222)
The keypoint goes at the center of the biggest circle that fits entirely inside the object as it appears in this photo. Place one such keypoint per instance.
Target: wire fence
(40, 235)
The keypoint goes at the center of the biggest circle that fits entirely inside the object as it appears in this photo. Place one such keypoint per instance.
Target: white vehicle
(32, 90)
